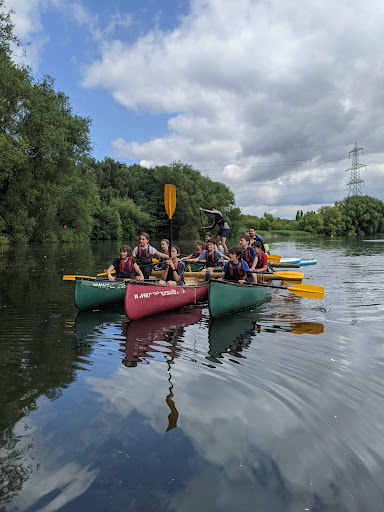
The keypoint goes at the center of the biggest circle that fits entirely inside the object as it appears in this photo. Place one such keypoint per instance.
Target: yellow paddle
(310, 291)
(274, 257)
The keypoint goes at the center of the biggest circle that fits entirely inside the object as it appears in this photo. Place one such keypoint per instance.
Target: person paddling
(125, 266)
(219, 220)
(144, 254)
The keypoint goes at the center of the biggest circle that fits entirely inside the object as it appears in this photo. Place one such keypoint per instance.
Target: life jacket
(247, 255)
(196, 254)
(177, 268)
(260, 259)
(236, 271)
(143, 257)
(125, 268)
(205, 246)
(211, 260)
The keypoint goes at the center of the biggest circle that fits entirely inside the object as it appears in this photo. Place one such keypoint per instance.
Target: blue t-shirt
(215, 254)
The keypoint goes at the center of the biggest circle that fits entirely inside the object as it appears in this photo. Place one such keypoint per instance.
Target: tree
(332, 222)
(362, 215)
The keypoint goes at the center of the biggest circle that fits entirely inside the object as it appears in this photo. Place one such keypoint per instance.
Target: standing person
(223, 226)
(237, 269)
(144, 253)
(211, 257)
(172, 269)
(125, 266)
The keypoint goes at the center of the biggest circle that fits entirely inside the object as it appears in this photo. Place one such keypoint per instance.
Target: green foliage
(332, 222)
(362, 215)
(311, 222)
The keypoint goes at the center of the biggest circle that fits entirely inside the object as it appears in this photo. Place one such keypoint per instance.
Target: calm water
(276, 409)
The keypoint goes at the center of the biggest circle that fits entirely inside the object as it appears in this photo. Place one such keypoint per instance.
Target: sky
(266, 96)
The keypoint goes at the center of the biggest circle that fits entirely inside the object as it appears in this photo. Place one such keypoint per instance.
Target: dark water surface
(279, 409)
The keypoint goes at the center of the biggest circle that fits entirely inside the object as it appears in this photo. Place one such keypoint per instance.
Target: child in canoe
(198, 250)
(172, 273)
(211, 257)
(125, 266)
(249, 254)
(262, 258)
(164, 244)
(144, 254)
(237, 269)
(208, 236)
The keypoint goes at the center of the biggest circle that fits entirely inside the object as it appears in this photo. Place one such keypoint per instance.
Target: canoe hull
(91, 294)
(144, 299)
(226, 297)
(307, 262)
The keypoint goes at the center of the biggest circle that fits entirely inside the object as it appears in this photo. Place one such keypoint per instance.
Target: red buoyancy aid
(261, 260)
(143, 260)
(247, 255)
(196, 254)
(125, 268)
(211, 259)
(236, 271)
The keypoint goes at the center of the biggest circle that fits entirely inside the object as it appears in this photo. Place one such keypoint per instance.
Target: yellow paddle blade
(310, 291)
(289, 276)
(274, 257)
(154, 260)
(73, 278)
(170, 200)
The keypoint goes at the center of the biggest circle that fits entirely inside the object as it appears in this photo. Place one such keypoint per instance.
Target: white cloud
(255, 91)
(254, 86)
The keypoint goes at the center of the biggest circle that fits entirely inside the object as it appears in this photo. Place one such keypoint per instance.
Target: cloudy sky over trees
(267, 97)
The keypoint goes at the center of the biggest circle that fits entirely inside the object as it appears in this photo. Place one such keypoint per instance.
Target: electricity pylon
(354, 184)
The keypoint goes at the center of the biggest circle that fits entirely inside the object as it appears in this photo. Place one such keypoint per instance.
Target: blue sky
(267, 97)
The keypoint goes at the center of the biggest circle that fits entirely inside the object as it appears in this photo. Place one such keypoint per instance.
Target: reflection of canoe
(94, 294)
(231, 333)
(145, 299)
(226, 297)
(143, 336)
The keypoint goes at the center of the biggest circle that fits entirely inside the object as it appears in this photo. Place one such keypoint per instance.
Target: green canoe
(226, 297)
(95, 294)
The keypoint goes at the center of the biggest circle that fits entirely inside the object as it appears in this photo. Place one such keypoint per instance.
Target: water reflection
(232, 335)
(157, 337)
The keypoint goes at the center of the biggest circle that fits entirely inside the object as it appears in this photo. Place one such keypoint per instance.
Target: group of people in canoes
(242, 263)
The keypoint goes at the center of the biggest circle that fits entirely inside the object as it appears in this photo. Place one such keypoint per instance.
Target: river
(278, 409)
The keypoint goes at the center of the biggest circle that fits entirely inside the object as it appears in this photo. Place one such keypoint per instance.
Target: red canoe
(145, 299)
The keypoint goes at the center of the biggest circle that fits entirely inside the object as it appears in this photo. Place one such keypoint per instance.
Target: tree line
(53, 190)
